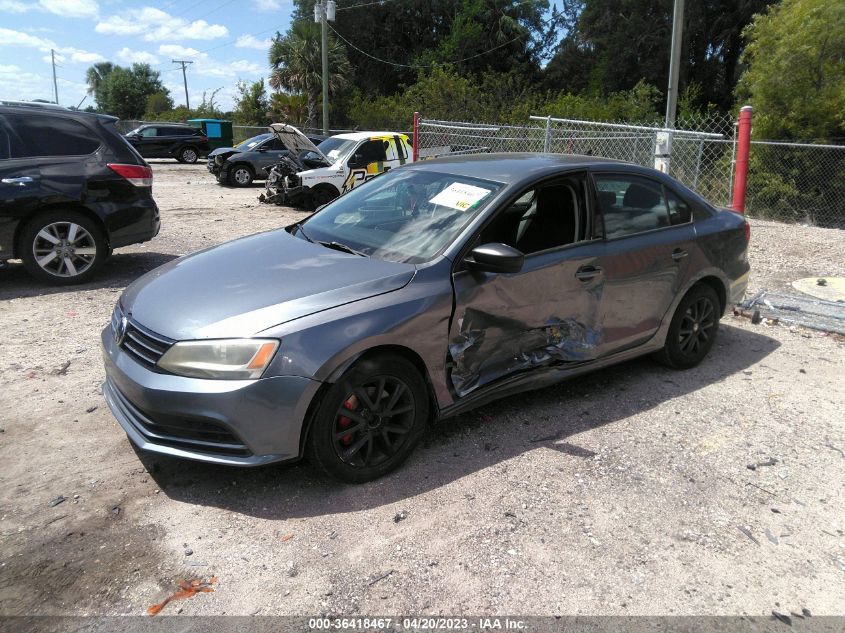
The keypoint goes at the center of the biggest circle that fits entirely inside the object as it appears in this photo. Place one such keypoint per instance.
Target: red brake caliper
(344, 422)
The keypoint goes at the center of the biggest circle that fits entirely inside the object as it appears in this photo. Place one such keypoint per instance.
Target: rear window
(44, 135)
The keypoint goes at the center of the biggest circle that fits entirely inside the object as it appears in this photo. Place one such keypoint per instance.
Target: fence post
(547, 143)
(741, 167)
(415, 148)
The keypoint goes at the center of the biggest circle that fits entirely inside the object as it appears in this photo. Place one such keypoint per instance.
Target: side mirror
(495, 258)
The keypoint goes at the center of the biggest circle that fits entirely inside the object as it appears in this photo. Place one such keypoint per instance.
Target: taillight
(747, 229)
(203, 139)
(138, 175)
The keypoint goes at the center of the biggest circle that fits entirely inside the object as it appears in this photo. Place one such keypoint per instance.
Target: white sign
(459, 196)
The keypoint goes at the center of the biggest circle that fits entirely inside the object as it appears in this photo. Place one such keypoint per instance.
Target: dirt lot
(624, 492)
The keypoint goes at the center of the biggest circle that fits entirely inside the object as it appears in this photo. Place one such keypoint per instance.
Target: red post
(741, 167)
(415, 147)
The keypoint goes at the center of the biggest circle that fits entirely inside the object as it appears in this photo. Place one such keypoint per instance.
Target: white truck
(350, 159)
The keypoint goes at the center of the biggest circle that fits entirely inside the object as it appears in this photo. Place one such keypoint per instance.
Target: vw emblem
(120, 332)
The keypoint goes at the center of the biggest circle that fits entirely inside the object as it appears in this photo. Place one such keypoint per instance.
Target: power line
(455, 61)
(184, 63)
(366, 4)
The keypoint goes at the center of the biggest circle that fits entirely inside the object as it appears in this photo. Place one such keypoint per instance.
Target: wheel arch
(718, 286)
(59, 206)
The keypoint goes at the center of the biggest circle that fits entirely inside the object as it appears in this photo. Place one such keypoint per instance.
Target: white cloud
(268, 5)
(250, 41)
(230, 70)
(64, 8)
(71, 8)
(8, 37)
(135, 57)
(156, 25)
(14, 6)
(9, 68)
(182, 52)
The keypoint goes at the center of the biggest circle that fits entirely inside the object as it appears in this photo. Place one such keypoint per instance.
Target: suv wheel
(62, 247)
(240, 176)
(188, 155)
(323, 194)
(369, 421)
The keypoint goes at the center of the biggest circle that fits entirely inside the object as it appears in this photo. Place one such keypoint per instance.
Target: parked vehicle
(334, 167)
(433, 289)
(249, 160)
(71, 190)
(169, 140)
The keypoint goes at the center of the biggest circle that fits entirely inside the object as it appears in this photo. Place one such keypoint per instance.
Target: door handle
(585, 273)
(678, 254)
(20, 182)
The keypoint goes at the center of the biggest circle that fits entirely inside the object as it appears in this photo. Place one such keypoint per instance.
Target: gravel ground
(628, 491)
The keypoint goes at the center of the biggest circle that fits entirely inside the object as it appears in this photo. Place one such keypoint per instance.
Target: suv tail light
(204, 139)
(138, 175)
(747, 229)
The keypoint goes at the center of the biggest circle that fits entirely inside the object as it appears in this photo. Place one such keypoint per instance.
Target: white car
(350, 159)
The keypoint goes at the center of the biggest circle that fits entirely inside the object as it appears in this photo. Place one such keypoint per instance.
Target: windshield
(403, 215)
(335, 148)
(252, 142)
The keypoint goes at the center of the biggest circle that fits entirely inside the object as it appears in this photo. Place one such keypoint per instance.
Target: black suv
(169, 140)
(71, 190)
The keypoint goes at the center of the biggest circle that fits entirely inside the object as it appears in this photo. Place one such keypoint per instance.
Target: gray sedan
(432, 289)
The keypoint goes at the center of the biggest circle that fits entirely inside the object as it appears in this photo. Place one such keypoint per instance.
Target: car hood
(224, 150)
(295, 140)
(243, 287)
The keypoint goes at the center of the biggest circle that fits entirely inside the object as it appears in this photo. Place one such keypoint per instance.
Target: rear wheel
(323, 194)
(370, 420)
(241, 176)
(693, 329)
(63, 247)
(188, 155)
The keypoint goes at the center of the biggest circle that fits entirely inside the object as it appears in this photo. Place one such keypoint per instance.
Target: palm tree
(95, 74)
(297, 65)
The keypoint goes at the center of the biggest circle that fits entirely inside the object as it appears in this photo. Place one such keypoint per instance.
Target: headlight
(232, 359)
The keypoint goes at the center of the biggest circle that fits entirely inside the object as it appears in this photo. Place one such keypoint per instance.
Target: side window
(679, 211)
(149, 132)
(44, 135)
(541, 218)
(630, 204)
(274, 144)
(373, 151)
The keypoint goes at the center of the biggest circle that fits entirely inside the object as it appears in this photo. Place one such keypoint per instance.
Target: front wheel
(693, 329)
(63, 247)
(240, 176)
(370, 420)
(323, 194)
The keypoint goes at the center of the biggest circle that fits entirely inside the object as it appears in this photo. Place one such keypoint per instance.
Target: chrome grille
(144, 346)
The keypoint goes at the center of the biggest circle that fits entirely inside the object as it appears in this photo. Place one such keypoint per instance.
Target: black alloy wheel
(370, 421)
(693, 329)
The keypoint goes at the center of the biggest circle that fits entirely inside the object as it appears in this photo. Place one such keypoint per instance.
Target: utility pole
(674, 63)
(184, 63)
(55, 85)
(324, 12)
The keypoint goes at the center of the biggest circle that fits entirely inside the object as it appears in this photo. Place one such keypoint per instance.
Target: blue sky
(226, 39)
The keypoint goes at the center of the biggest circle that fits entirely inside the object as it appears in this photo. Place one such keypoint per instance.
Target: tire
(241, 175)
(693, 329)
(323, 194)
(72, 262)
(188, 155)
(372, 442)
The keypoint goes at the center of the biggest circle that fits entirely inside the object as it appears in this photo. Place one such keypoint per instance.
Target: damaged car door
(549, 311)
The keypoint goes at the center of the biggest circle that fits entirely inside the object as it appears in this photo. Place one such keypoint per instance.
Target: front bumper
(232, 422)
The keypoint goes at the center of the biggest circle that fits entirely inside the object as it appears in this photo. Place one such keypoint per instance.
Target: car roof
(51, 109)
(359, 136)
(516, 167)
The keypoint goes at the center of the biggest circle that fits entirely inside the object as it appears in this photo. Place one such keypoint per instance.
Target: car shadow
(459, 446)
(118, 271)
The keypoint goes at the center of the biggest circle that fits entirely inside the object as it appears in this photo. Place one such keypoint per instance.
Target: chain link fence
(787, 181)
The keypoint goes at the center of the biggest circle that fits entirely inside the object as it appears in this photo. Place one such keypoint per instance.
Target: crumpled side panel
(491, 346)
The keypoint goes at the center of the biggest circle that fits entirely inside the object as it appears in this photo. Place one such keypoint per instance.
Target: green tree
(252, 105)
(95, 75)
(157, 103)
(123, 92)
(296, 60)
(796, 70)
(289, 108)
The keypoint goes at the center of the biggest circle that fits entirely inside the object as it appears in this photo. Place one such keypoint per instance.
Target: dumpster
(219, 132)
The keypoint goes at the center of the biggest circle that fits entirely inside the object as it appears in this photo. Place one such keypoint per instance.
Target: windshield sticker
(459, 196)
(334, 153)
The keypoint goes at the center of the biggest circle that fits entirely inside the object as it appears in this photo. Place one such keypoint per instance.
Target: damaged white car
(349, 159)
